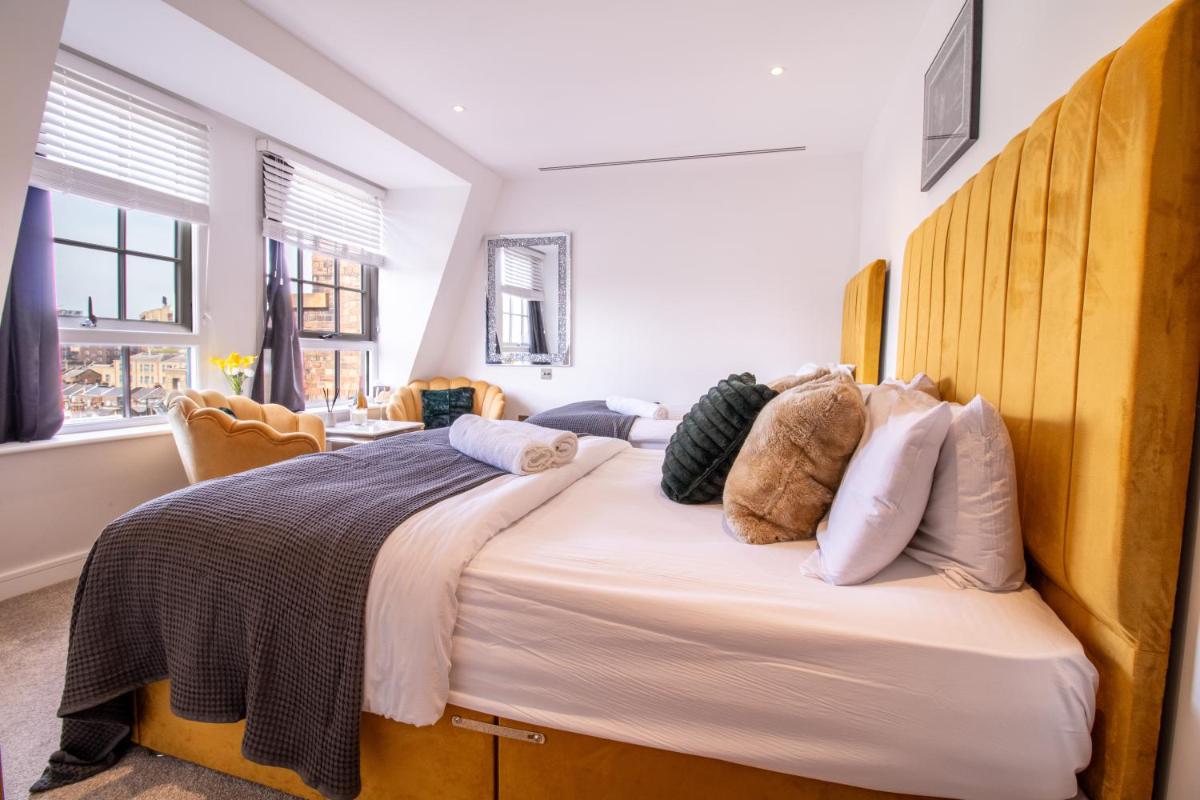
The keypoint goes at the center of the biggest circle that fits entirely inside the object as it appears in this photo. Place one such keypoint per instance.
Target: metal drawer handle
(497, 730)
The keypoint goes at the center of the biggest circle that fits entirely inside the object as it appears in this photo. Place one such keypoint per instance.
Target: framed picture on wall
(951, 120)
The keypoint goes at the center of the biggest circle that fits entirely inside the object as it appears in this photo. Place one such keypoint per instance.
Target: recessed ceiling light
(777, 71)
(459, 109)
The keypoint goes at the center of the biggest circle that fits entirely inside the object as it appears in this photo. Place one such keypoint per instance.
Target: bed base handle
(466, 723)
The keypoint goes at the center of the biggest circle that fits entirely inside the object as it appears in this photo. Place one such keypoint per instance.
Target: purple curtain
(537, 330)
(281, 338)
(31, 400)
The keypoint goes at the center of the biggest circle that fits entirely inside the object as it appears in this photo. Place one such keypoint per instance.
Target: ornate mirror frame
(492, 353)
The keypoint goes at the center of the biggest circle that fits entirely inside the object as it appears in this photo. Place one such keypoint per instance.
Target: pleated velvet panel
(1062, 282)
(862, 321)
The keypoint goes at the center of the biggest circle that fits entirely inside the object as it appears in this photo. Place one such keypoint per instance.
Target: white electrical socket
(547, 373)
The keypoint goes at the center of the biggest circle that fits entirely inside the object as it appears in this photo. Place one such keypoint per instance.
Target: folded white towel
(487, 441)
(636, 408)
(565, 443)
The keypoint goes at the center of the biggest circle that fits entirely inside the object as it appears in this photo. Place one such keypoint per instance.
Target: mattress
(652, 434)
(612, 612)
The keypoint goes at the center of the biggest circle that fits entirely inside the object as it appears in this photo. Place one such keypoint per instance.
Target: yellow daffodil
(235, 367)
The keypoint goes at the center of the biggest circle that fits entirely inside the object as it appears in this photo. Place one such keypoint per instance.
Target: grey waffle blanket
(587, 417)
(249, 593)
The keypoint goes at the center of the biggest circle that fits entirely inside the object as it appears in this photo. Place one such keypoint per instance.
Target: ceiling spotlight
(776, 71)
(459, 109)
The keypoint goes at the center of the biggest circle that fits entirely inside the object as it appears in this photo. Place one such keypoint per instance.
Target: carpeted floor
(33, 648)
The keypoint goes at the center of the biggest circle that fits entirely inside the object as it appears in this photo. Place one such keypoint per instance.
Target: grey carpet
(33, 649)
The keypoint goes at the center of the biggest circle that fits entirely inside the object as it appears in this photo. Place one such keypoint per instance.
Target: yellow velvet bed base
(1063, 283)
(407, 763)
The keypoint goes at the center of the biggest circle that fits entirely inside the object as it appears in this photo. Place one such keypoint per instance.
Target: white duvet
(608, 610)
(411, 602)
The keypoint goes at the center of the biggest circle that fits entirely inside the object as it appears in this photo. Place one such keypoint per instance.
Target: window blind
(316, 211)
(521, 272)
(104, 143)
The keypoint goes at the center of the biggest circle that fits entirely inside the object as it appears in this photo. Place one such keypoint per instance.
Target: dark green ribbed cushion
(440, 407)
(708, 438)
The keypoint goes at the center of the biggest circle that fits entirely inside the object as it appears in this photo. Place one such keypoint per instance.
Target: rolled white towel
(636, 408)
(565, 443)
(485, 440)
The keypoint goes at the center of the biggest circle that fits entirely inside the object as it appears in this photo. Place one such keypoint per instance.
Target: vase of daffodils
(236, 368)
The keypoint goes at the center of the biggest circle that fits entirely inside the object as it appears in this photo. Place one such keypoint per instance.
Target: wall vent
(674, 158)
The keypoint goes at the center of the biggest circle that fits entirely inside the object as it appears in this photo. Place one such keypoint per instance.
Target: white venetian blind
(521, 272)
(316, 211)
(102, 142)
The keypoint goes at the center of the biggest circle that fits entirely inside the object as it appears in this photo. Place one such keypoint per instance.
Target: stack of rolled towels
(633, 407)
(516, 447)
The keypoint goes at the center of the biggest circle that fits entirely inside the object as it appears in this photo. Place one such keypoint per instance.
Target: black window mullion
(127, 383)
(337, 297)
(183, 273)
(121, 284)
(299, 289)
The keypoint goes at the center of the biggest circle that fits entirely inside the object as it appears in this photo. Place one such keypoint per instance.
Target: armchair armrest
(213, 444)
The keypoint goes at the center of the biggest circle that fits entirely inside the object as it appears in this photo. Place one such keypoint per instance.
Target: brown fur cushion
(792, 381)
(787, 472)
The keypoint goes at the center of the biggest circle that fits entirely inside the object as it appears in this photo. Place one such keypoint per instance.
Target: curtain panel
(280, 338)
(31, 400)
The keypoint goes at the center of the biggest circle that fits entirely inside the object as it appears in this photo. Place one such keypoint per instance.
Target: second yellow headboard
(862, 321)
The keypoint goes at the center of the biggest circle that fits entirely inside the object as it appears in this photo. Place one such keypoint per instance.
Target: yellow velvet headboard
(862, 321)
(1062, 282)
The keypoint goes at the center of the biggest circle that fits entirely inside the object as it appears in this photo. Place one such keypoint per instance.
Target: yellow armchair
(213, 444)
(406, 402)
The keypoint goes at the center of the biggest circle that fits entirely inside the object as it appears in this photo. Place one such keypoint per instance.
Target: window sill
(69, 439)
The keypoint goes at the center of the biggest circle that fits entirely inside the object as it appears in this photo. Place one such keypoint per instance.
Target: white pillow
(882, 497)
(920, 383)
(971, 532)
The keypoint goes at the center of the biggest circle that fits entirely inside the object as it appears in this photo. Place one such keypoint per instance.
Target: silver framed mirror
(528, 306)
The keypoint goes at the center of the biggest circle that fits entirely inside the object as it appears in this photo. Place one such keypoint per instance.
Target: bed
(1061, 282)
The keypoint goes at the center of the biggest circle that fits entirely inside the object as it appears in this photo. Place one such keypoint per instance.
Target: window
(127, 273)
(331, 226)
(332, 298)
(119, 382)
(333, 301)
(514, 319)
(120, 265)
(337, 371)
(127, 169)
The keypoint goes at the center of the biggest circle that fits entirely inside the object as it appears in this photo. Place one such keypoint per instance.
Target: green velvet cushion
(708, 438)
(440, 407)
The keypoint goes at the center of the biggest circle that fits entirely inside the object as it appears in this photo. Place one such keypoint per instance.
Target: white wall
(682, 273)
(56, 501)
(1033, 51)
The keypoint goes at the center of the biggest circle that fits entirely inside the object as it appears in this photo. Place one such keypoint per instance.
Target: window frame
(366, 348)
(127, 419)
(514, 347)
(364, 342)
(368, 292)
(126, 334)
(184, 268)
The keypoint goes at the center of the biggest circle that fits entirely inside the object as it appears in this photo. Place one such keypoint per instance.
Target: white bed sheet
(612, 612)
(652, 434)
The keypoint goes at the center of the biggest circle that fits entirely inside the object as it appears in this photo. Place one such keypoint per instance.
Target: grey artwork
(951, 121)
